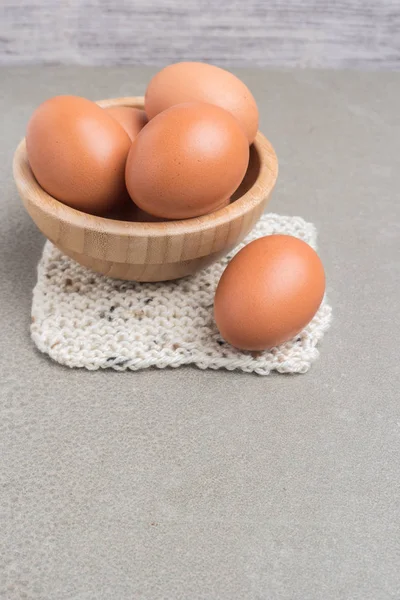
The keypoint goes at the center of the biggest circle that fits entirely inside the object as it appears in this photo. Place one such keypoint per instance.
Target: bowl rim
(53, 208)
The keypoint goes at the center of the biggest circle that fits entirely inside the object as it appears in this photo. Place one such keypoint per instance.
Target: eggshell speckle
(77, 153)
(200, 82)
(131, 119)
(269, 292)
(187, 161)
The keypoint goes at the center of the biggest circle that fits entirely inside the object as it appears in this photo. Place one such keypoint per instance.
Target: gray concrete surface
(189, 484)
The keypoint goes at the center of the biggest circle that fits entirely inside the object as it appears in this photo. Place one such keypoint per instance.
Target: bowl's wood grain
(149, 251)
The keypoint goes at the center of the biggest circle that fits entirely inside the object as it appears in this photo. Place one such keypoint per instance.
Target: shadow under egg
(128, 211)
(253, 171)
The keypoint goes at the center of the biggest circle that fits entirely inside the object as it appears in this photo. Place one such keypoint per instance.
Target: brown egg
(77, 153)
(131, 119)
(186, 161)
(200, 82)
(269, 292)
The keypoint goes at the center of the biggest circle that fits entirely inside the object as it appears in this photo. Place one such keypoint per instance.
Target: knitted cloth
(81, 319)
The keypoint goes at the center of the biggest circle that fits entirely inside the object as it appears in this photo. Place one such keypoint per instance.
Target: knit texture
(82, 319)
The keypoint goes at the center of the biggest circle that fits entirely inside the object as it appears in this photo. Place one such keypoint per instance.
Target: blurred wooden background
(304, 33)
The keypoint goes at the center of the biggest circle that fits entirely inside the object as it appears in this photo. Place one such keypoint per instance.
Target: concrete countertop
(189, 484)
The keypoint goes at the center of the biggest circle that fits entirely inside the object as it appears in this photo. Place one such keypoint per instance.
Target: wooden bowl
(149, 251)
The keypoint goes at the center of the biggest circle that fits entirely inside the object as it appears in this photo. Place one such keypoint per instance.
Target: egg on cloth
(200, 82)
(269, 292)
(131, 119)
(77, 152)
(187, 161)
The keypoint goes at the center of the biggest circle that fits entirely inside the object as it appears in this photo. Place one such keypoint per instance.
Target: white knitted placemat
(81, 319)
